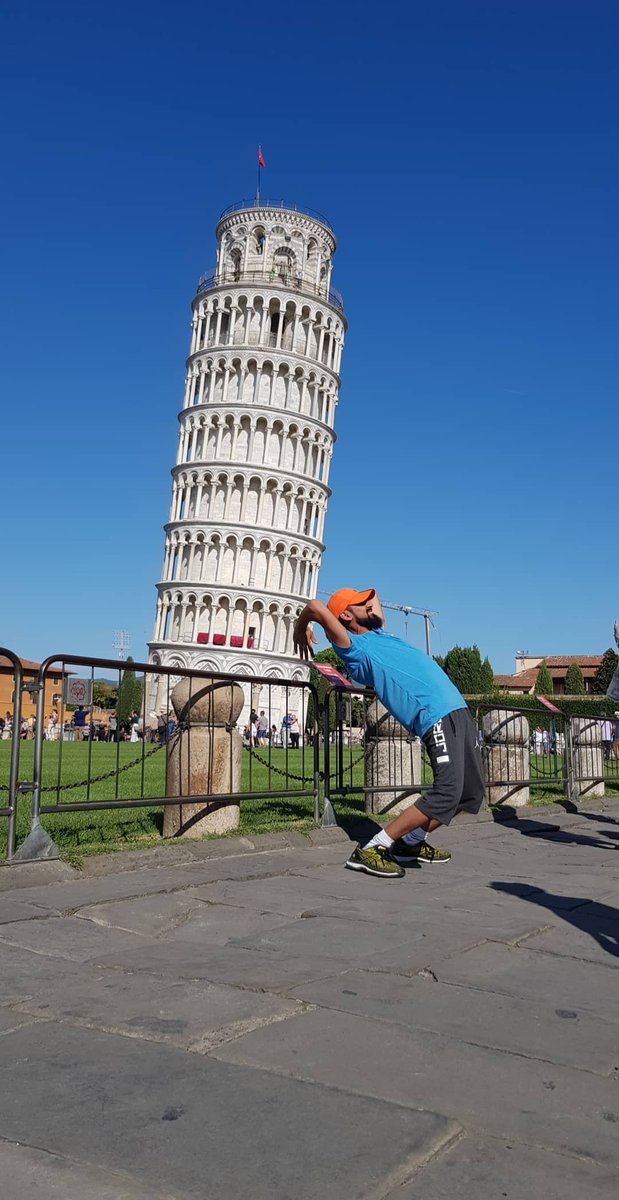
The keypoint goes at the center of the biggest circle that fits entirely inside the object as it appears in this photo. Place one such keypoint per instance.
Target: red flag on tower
(261, 162)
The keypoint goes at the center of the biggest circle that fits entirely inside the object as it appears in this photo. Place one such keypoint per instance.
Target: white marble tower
(250, 487)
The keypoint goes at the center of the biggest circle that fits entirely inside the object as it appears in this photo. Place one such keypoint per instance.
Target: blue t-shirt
(410, 684)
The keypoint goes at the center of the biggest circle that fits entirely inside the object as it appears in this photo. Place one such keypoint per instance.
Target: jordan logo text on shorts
(440, 742)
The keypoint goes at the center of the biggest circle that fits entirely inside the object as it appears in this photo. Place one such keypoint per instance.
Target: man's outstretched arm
(303, 637)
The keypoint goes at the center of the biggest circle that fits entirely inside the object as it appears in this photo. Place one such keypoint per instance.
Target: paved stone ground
(227, 1021)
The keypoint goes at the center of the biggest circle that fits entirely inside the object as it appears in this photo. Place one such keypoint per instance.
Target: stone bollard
(507, 757)
(393, 757)
(587, 757)
(204, 758)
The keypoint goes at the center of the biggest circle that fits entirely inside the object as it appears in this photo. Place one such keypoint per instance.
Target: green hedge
(579, 706)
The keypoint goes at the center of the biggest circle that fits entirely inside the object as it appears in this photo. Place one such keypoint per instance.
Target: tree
(438, 658)
(487, 677)
(465, 669)
(129, 694)
(574, 681)
(605, 672)
(104, 695)
(543, 684)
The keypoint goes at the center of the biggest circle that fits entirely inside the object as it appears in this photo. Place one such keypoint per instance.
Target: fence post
(328, 812)
(508, 756)
(587, 759)
(204, 758)
(15, 748)
(38, 845)
(393, 760)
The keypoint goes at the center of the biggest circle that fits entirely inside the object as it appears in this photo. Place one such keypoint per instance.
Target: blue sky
(466, 154)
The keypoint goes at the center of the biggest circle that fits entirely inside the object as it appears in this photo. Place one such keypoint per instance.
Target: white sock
(415, 837)
(380, 839)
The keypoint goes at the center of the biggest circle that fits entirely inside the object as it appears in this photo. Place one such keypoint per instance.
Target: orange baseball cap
(340, 600)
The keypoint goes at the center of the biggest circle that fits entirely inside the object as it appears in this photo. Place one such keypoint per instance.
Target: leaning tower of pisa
(250, 487)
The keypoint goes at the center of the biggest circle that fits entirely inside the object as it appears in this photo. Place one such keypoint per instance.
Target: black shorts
(456, 761)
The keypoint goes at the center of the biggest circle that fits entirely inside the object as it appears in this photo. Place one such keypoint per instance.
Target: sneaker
(375, 860)
(423, 852)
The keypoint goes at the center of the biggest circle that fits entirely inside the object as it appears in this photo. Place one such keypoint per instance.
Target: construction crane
(410, 610)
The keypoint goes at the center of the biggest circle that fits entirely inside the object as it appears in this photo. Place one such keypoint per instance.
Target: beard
(372, 622)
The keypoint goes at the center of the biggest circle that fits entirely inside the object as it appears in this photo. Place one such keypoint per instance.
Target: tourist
(134, 726)
(274, 738)
(7, 727)
(52, 726)
(294, 731)
(423, 699)
(285, 730)
(615, 745)
(262, 729)
(607, 737)
(112, 727)
(613, 687)
(79, 723)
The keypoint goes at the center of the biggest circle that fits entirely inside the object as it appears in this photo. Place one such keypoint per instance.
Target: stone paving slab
(534, 1029)
(151, 915)
(67, 937)
(78, 891)
(20, 910)
(589, 938)
(260, 970)
(488, 1169)
(218, 925)
(505, 1095)
(30, 1174)
(196, 1016)
(202, 1127)
(10, 1020)
(24, 974)
(531, 975)
(320, 937)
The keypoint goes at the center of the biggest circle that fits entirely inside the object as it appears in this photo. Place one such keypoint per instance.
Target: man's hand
(617, 632)
(303, 640)
(303, 637)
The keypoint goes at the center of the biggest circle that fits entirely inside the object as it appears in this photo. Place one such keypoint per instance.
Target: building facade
(250, 487)
(527, 668)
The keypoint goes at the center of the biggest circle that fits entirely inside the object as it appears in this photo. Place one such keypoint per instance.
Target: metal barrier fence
(528, 753)
(9, 790)
(523, 749)
(368, 753)
(594, 754)
(67, 781)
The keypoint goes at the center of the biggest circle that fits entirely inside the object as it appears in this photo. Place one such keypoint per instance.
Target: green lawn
(83, 833)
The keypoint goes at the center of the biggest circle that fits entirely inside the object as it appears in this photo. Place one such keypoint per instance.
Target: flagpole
(258, 189)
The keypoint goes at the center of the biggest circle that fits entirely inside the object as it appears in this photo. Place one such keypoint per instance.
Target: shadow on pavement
(553, 833)
(600, 921)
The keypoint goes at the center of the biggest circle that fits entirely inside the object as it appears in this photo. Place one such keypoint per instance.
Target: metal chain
(301, 778)
(67, 787)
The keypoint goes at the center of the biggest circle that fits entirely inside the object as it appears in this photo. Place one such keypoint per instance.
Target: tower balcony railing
(287, 279)
(279, 204)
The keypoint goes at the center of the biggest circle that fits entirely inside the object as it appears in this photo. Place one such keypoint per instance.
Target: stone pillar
(393, 759)
(507, 757)
(204, 758)
(587, 757)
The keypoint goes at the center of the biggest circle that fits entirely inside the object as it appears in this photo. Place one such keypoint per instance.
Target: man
(607, 737)
(422, 698)
(79, 723)
(262, 728)
(613, 687)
